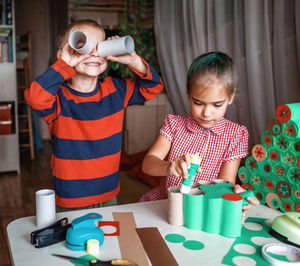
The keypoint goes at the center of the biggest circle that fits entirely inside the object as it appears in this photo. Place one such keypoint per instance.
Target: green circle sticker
(193, 245)
(175, 238)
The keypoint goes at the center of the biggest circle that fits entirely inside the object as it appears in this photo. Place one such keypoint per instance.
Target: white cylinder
(80, 42)
(45, 207)
(115, 47)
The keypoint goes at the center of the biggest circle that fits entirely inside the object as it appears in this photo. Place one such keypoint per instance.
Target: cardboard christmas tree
(273, 169)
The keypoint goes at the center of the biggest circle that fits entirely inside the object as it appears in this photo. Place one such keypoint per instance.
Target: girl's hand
(132, 59)
(179, 167)
(252, 201)
(70, 56)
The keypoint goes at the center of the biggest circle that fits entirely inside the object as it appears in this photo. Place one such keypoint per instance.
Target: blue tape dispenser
(82, 229)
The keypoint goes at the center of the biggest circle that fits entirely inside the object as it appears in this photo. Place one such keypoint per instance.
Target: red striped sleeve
(64, 69)
(75, 202)
(85, 169)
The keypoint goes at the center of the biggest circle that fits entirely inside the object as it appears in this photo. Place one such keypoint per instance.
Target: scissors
(97, 262)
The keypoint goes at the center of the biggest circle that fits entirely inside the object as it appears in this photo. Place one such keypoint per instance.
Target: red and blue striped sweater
(86, 129)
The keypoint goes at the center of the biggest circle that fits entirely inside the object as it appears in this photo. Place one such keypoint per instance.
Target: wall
(31, 15)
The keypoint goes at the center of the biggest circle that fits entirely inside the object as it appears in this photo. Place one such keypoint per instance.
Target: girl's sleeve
(143, 88)
(42, 94)
(238, 147)
(169, 128)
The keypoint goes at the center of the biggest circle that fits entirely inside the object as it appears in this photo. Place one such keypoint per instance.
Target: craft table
(148, 214)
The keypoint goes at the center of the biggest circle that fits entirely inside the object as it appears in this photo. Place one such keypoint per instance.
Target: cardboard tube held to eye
(80, 42)
(115, 47)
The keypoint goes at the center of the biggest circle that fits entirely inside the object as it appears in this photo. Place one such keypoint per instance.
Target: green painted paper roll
(287, 112)
(231, 224)
(291, 129)
(281, 142)
(274, 155)
(287, 205)
(213, 210)
(244, 174)
(256, 180)
(265, 168)
(260, 194)
(295, 146)
(194, 210)
(251, 163)
(293, 175)
(267, 140)
(288, 159)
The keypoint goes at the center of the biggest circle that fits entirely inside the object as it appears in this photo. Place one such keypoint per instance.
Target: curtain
(261, 36)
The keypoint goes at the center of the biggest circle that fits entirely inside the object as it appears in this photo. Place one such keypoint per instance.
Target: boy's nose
(94, 52)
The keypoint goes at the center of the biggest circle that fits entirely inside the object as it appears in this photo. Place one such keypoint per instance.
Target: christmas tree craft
(273, 169)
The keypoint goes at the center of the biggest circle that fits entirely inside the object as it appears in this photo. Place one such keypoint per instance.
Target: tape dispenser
(82, 229)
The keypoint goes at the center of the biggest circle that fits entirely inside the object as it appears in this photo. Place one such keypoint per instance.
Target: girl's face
(209, 100)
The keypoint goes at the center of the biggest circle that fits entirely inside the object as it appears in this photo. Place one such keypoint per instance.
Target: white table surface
(148, 214)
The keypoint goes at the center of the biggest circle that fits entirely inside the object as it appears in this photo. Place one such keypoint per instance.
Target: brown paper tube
(175, 200)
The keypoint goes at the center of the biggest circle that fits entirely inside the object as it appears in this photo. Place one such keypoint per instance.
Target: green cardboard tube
(251, 163)
(267, 140)
(213, 212)
(193, 209)
(288, 159)
(287, 112)
(244, 174)
(265, 168)
(295, 146)
(291, 129)
(274, 155)
(231, 224)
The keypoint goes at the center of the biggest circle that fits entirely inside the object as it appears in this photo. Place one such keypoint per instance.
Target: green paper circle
(193, 245)
(175, 238)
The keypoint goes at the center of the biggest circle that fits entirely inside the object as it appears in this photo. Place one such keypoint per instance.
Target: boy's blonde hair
(64, 35)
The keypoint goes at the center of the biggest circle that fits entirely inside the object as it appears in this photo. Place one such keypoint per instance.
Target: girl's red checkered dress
(225, 141)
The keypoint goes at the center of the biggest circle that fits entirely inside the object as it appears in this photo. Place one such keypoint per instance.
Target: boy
(85, 117)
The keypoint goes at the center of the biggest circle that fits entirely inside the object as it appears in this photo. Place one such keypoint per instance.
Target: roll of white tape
(92, 247)
(282, 249)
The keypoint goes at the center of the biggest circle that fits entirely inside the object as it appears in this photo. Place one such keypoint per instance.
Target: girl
(211, 87)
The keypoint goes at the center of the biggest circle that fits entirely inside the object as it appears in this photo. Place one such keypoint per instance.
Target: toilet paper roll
(265, 168)
(175, 201)
(80, 42)
(251, 163)
(115, 47)
(259, 152)
(45, 207)
(288, 159)
(244, 174)
(295, 146)
(267, 140)
(274, 126)
(281, 142)
(287, 112)
(293, 175)
(291, 129)
(274, 156)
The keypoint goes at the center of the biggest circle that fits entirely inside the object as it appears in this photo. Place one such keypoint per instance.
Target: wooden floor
(17, 192)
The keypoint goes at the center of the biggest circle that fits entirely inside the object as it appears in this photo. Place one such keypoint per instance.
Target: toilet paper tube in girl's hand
(80, 42)
(45, 207)
(115, 47)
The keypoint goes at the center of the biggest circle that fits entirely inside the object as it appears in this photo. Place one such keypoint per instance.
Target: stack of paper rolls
(273, 168)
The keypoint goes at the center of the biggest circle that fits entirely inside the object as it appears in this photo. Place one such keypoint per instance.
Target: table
(147, 214)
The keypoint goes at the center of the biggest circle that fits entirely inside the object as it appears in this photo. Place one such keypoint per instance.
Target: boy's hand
(70, 56)
(252, 201)
(132, 60)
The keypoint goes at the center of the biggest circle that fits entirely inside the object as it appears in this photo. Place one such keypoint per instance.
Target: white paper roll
(175, 200)
(45, 207)
(80, 42)
(115, 47)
